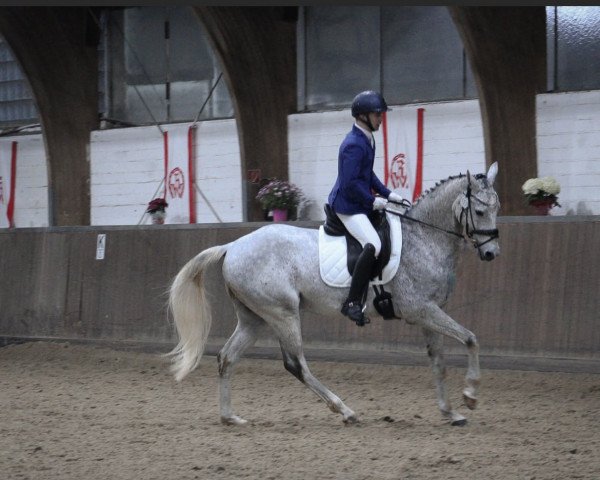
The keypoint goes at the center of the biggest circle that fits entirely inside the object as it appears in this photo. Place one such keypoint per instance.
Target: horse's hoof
(233, 420)
(470, 402)
(351, 420)
(459, 423)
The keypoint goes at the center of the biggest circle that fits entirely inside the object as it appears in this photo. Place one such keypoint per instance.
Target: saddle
(333, 226)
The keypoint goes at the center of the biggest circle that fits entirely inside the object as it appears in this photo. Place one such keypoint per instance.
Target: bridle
(466, 212)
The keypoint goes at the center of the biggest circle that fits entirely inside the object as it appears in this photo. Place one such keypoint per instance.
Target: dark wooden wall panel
(538, 298)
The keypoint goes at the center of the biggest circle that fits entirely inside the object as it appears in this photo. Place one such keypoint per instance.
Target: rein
(466, 211)
(403, 215)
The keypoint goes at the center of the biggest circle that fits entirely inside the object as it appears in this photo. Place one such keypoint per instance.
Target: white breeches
(360, 227)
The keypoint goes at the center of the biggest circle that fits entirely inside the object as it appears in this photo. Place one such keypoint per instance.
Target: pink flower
(279, 194)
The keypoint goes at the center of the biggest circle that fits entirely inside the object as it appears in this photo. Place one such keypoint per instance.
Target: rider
(351, 196)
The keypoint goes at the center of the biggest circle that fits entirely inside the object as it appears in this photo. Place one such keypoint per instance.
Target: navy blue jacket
(351, 193)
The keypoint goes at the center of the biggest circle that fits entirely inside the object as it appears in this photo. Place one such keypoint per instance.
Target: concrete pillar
(507, 50)
(257, 49)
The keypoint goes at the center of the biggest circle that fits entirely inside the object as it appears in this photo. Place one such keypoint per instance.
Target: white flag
(403, 133)
(179, 192)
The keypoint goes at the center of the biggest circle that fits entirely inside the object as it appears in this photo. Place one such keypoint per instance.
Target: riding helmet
(368, 101)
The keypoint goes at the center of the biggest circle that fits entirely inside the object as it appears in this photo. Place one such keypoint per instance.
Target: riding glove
(379, 203)
(394, 197)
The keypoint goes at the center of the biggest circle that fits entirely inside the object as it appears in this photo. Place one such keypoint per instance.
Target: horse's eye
(479, 213)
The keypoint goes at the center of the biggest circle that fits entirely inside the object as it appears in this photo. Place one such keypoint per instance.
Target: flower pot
(279, 215)
(542, 209)
(158, 221)
(542, 206)
(158, 217)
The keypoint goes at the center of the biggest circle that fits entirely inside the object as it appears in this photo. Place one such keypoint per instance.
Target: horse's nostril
(489, 256)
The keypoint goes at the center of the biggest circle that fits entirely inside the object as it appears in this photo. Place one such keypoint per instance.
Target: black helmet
(368, 101)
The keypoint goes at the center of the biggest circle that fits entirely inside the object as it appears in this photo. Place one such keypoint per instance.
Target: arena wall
(538, 299)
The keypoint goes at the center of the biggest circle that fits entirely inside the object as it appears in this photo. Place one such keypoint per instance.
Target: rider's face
(376, 119)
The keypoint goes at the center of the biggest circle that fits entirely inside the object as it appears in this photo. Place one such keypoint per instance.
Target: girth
(333, 226)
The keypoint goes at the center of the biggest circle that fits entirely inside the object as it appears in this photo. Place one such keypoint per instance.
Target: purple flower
(279, 194)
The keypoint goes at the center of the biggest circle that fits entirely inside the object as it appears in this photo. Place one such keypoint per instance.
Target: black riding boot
(353, 307)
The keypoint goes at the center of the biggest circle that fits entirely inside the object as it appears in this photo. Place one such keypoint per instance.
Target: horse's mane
(479, 176)
(436, 186)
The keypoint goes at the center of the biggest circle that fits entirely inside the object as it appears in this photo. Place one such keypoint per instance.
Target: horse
(272, 277)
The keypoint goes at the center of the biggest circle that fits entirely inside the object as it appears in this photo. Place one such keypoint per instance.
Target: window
(423, 57)
(342, 54)
(410, 54)
(162, 68)
(17, 107)
(573, 39)
(156, 63)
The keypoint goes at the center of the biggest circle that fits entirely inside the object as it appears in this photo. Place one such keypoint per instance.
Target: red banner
(8, 180)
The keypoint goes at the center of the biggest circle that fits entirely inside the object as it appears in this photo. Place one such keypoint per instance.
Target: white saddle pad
(333, 256)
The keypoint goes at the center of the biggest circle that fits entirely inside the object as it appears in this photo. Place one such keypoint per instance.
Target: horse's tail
(191, 312)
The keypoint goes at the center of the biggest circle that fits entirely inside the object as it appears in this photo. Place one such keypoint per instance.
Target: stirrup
(383, 303)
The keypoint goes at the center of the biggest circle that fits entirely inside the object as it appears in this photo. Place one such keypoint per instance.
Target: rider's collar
(366, 132)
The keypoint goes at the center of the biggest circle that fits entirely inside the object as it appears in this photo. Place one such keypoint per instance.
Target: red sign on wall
(399, 172)
(176, 183)
(254, 175)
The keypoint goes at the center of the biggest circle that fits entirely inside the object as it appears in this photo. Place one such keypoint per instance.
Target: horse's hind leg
(290, 340)
(244, 336)
(435, 345)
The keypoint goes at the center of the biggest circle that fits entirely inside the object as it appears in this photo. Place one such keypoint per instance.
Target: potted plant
(280, 197)
(542, 194)
(156, 209)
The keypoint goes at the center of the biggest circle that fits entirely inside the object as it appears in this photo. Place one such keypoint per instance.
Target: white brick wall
(452, 140)
(127, 168)
(452, 143)
(218, 172)
(313, 143)
(568, 140)
(127, 164)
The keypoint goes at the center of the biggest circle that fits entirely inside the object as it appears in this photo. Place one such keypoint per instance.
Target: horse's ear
(492, 172)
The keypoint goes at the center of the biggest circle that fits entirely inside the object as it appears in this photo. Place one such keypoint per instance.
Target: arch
(57, 51)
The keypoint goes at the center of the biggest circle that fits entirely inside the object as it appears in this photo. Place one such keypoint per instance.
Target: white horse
(272, 277)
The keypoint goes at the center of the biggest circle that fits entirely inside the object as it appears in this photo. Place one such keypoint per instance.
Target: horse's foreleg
(435, 319)
(473, 377)
(435, 345)
(243, 337)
